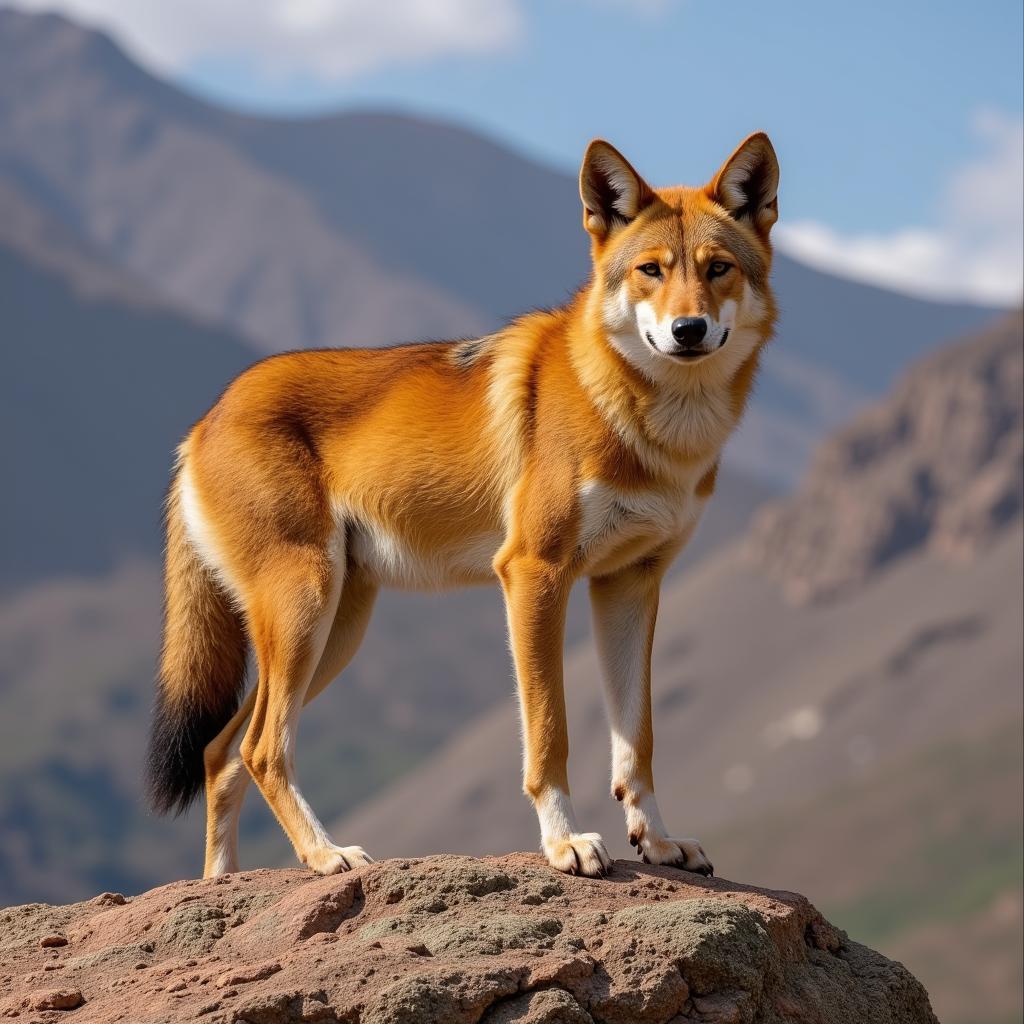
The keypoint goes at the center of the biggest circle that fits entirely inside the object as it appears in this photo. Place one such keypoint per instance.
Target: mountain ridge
(373, 228)
(940, 463)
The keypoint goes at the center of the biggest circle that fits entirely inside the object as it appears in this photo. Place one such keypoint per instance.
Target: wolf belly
(394, 560)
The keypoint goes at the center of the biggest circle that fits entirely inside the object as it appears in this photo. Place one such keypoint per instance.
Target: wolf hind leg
(226, 782)
(290, 619)
(290, 612)
(227, 776)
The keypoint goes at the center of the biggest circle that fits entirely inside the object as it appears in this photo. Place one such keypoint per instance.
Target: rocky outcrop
(938, 464)
(448, 940)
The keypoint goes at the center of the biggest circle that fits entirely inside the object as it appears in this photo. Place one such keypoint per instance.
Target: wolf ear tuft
(612, 192)
(747, 184)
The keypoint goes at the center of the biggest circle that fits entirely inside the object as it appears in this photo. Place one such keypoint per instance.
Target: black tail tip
(175, 769)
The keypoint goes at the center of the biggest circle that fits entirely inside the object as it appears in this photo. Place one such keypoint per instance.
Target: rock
(455, 940)
(194, 928)
(247, 974)
(545, 1006)
(110, 899)
(61, 999)
(938, 464)
(52, 941)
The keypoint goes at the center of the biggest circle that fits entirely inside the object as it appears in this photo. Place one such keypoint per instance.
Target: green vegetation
(920, 859)
(969, 842)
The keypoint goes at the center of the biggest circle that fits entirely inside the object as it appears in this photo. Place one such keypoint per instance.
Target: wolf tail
(202, 669)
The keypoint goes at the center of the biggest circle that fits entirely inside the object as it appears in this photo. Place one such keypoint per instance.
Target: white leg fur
(623, 622)
(326, 858)
(236, 781)
(566, 848)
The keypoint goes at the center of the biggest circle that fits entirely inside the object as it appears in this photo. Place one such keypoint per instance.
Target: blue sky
(898, 124)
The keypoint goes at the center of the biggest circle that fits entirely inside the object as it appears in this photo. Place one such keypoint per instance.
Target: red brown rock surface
(448, 940)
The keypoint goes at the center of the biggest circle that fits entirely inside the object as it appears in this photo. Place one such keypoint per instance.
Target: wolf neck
(684, 416)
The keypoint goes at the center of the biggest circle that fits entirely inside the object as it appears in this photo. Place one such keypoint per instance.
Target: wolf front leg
(625, 607)
(536, 594)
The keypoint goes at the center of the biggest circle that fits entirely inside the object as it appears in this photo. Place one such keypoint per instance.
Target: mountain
(127, 164)
(101, 379)
(865, 749)
(941, 464)
(370, 228)
(755, 700)
(731, 647)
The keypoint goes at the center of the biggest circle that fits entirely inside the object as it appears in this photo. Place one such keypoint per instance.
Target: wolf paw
(579, 854)
(687, 854)
(332, 860)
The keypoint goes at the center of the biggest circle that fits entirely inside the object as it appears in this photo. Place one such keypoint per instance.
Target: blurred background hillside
(185, 188)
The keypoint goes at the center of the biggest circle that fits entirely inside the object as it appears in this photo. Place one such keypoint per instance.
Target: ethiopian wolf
(580, 441)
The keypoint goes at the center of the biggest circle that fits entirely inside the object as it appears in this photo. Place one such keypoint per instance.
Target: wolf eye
(650, 269)
(718, 268)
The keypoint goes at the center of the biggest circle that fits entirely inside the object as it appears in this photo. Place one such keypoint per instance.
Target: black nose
(689, 330)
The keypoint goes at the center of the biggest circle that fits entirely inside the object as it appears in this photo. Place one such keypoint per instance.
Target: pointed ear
(612, 192)
(748, 183)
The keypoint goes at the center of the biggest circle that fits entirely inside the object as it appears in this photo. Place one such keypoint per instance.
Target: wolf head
(682, 273)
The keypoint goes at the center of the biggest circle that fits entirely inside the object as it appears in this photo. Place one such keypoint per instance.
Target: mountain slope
(940, 873)
(100, 381)
(126, 163)
(940, 464)
(371, 228)
(761, 696)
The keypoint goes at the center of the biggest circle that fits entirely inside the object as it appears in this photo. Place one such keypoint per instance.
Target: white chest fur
(692, 423)
(611, 518)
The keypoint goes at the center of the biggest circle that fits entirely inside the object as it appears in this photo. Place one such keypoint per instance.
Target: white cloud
(976, 251)
(330, 38)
